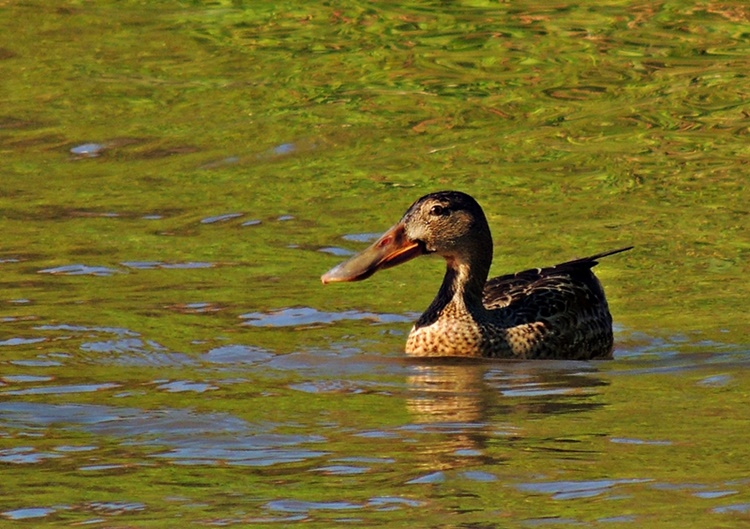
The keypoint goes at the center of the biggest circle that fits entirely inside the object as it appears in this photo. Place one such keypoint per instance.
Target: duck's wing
(554, 312)
(548, 291)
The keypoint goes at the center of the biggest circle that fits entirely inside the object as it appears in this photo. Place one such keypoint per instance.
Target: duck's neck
(460, 295)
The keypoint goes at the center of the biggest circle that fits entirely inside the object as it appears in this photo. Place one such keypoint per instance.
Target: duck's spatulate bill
(391, 249)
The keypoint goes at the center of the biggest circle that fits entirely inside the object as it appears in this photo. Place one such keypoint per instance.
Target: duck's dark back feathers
(565, 296)
(502, 290)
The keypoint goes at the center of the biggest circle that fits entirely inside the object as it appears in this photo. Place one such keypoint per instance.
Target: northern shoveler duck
(554, 312)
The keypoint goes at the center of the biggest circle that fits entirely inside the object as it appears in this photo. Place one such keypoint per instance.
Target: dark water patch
(341, 470)
(378, 434)
(180, 386)
(176, 435)
(128, 344)
(298, 506)
(640, 353)
(365, 460)
(113, 420)
(276, 153)
(121, 345)
(428, 479)
(132, 352)
(711, 494)
(107, 508)
(164, 152)
(362, 237)
(339, 252)
(105, 345)
(681, 363)
(716, 381)
(93, 214)
(25, 455)
(199, 307)
(647, 442)
(275, 520)
(569, 490)
(80, 269)
(552, 520)
(58, 212)
(328, 386)
(97, 149)
(740, 508)
(21, 301)
(307, 316)
(65, 327)
(479, 476)
(290, 148)
(14, 342)
(152, 265)
(24, 379)
(619, 519)
(284, 148)
(234, 354)
(221, 218)
(392, 503)
(538, 390)
(41, 361)
(28, 513)
(343, 362)
(112, 508)
(260, 451)
(443, 427)
(61, 390)
(73, 449)
(325, 373)
(103, 468)
(229, 160)
(88, 150)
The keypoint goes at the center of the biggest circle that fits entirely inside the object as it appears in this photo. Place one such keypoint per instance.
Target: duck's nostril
(385, 241)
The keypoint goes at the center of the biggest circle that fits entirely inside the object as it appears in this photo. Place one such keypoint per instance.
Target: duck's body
(554, 312)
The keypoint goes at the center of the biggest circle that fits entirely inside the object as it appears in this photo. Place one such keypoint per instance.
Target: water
(177, 177)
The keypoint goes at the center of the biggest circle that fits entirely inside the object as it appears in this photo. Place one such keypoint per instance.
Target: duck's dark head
(447, 223)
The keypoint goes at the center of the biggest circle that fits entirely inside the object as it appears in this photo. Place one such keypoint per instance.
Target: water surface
(177, 176)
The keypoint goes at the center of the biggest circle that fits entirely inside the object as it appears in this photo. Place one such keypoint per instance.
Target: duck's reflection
(471, 404)
(443, 393)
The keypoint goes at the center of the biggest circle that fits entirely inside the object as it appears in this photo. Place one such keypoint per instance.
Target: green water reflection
(177, 175)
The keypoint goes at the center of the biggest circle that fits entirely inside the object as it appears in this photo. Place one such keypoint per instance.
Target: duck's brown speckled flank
(554, 312)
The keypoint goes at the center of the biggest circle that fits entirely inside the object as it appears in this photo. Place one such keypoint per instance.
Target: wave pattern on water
(179, 436)
(305, 316)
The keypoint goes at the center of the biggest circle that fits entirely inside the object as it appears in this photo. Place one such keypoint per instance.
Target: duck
(556, 312)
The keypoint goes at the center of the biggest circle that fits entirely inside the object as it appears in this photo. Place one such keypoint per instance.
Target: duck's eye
(438, 210)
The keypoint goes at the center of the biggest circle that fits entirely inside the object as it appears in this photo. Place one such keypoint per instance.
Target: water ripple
(221, 218)
(237, 354)
(303, 316)
(566, 490)
(151, 265)
(177, 435)
(27, 513)
(79, 269)
(62, 390)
